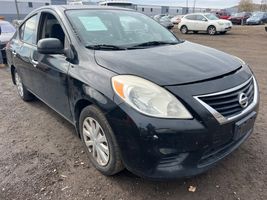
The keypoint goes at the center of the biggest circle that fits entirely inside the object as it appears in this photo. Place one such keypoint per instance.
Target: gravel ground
(41, 158)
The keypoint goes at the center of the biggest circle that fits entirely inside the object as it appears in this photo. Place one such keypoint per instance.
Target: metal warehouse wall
(8, 8)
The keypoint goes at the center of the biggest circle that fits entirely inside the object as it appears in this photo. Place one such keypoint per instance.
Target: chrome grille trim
(218, 116)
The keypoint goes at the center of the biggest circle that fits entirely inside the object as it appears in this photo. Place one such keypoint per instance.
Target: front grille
(227, 104)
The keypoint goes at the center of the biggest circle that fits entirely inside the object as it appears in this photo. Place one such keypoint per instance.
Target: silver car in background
(7, 32)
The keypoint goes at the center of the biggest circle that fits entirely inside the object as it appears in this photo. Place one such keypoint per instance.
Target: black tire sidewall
(210, 28)
(27, 96)
(184, 27)
(112, 166)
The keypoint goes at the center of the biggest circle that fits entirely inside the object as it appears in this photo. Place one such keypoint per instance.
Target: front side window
(211, 17)
(28, 30)
(200, 18)
(120, 28)
(51, 28)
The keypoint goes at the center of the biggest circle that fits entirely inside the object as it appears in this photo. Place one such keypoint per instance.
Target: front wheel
(99, 141)
(212, 30)
(22, 91)
(184, 29)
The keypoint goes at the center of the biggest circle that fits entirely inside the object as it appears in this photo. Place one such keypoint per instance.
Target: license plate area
(244, 126)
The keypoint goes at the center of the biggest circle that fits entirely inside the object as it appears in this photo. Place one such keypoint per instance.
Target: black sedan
(138, 97)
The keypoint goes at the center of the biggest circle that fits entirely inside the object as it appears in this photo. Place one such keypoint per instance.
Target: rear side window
(28, 30)
(191, 17)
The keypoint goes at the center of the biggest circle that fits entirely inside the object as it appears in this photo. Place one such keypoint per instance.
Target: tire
(195, 32)
(184, 29)
(211, 30)
(261, 22)
(101, 146)
(24, 94)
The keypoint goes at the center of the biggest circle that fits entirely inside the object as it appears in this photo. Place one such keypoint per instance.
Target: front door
(201, 23)
(53, 69)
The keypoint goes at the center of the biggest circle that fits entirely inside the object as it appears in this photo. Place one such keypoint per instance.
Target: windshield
(7, 28)
(211, 17)
(258, 15)
(165, 18)
(117, 28)
(239, 14)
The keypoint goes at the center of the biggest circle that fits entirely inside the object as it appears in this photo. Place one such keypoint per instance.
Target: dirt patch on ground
(41, 158)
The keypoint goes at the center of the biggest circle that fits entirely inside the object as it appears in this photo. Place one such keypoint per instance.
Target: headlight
(149, 98)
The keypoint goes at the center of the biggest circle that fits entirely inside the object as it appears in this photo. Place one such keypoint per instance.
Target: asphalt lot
(41, 158)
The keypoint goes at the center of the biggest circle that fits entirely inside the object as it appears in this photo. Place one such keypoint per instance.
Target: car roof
(198, 13)
(82, 7)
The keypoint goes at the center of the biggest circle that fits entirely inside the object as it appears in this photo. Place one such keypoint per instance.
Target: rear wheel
(99, 141)
(184, 29)
(211, 30)
(22, 91)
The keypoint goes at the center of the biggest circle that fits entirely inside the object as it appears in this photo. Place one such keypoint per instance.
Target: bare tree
(264, 5)
(246, 6)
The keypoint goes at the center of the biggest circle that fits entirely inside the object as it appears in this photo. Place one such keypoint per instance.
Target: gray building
(152, 10)
(9, 12)
(8, 8)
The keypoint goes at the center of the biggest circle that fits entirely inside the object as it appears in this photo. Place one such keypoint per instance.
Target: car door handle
(34, 63)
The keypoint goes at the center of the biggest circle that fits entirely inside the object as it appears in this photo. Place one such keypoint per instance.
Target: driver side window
(51, 28)
(200, 18)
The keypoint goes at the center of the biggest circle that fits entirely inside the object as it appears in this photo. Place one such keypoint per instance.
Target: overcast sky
(199, 3)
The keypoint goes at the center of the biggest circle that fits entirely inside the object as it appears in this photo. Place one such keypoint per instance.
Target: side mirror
(50, 46)
(204, 20)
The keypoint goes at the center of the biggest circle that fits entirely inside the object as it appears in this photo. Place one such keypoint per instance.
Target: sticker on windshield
(93, 24)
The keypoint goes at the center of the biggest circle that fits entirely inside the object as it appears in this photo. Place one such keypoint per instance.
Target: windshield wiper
(104, 46)
(153, 43)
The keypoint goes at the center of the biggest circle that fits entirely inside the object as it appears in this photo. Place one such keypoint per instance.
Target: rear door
(22, 50)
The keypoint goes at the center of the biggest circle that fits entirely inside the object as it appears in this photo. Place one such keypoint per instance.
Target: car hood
(170, 64)
(254, 19)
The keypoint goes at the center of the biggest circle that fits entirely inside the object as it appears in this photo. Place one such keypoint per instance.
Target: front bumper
(224, 28)
(253, 22)
(170, 148)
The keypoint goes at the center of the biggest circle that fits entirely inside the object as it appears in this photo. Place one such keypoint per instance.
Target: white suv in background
(204, 22)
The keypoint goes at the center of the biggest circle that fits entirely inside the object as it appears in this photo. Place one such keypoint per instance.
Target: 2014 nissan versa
(139, 97)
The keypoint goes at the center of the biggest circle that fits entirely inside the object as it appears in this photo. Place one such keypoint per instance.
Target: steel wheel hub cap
(19, 84)
(96, 141)
(212, 30)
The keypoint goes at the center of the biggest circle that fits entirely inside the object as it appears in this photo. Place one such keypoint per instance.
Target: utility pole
(187, 7)
(194, 6)
(17, 8)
